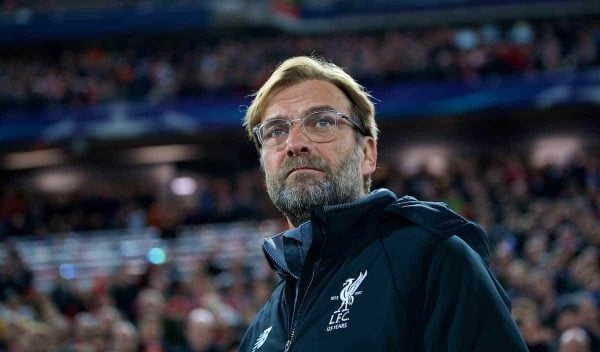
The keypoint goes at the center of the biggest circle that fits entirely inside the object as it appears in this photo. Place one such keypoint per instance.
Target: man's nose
(297, 142)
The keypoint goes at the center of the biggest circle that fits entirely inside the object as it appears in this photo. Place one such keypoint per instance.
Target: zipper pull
(287, 345)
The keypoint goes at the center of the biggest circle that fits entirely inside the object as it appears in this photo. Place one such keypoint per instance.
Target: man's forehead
(304, 97)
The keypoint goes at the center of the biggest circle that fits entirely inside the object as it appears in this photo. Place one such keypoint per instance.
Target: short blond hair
(303, 68)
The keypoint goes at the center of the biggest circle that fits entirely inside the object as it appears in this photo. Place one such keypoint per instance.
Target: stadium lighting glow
(156, 256)
(67, 271)
(183, 186)
(38, 158)
(58, 181)
(163, 154)
(557, 150)
(434, 158)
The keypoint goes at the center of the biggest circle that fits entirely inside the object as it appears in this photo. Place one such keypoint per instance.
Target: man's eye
(323, 121)
(274, 132)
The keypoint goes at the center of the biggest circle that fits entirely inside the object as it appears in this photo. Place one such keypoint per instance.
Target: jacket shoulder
(407, 248)
(411, 249)
(440, 221)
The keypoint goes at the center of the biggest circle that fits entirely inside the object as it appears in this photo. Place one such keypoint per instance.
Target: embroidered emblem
(261, 339)
(339, 319)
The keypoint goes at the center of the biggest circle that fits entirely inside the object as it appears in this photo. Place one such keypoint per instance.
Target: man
(360, 271)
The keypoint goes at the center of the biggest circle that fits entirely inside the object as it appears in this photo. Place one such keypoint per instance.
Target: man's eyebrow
(306, 112)
(318, 108)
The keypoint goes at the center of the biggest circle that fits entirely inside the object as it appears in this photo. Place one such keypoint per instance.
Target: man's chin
(299, 191)
(302, 184)
(298, 177)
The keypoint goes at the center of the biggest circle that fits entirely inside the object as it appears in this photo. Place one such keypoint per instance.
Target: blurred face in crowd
(574, 340)
(124, 337)
(150, 330)
(106, 317)
(588, 313)
(86, 326)
(200, 336)
(302, 174)
(36, 341)
(567, 319)
(200, 330)
(150, 302)
(574, 346)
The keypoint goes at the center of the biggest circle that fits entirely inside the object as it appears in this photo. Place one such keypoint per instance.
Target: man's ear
(369, 156)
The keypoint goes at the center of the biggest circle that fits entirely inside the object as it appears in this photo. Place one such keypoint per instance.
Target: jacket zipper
(285, 287)
(294, 320)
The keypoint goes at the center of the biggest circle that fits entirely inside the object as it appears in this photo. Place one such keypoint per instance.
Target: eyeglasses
(318, 126)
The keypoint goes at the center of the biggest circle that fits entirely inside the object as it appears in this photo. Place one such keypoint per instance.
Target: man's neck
(291, 225)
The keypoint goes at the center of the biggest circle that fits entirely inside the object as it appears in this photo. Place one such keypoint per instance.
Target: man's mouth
(302, 169)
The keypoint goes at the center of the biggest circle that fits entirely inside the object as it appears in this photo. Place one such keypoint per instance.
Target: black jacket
(383, 274)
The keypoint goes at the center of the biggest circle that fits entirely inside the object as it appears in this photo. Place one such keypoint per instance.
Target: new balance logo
(261, 339)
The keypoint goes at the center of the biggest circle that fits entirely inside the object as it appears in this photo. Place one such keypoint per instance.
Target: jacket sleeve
(463, 307)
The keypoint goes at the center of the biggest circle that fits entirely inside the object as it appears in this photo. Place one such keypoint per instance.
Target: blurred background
(131, 202)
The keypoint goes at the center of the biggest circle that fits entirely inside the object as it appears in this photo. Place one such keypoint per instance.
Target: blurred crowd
(157, 69)
(132, 205)
(154, 311)
(543, 223)
(544, 228)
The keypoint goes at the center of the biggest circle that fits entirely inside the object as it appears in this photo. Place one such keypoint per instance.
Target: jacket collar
(334, 226)
(341, 220)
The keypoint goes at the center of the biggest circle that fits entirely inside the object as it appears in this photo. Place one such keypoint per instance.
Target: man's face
(302, 174)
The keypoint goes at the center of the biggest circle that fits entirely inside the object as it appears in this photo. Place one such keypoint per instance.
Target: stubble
(295, 195)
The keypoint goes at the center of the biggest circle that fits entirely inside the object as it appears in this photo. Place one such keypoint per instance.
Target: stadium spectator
(124, 337)
(200, 332)
(574, 340)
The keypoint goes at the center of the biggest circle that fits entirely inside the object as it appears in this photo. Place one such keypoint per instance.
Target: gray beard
(304, 192)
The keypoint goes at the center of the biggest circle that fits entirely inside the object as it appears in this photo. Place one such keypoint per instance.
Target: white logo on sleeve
(339, 318)
(261, 339)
